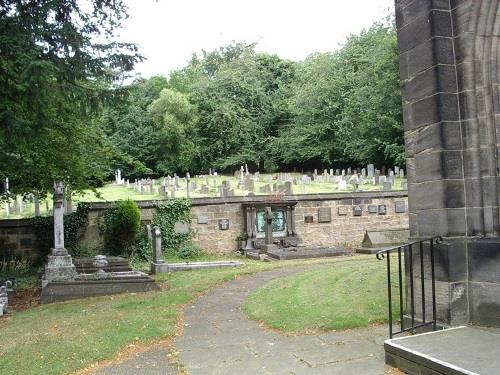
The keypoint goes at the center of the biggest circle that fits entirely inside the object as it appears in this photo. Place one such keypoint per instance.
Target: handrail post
(411, 274)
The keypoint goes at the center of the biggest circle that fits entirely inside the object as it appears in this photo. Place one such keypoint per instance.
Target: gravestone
(158, 264)
(4, 300)
(382, 209)
(387, 186)
(202, 219)
(399, 207)
(357, 211)
(268, 232)
(342, 185)
(324, 215)
(181, 227)
(223, 224)
(372, 209)
(60, 264)
(308, 219)
(342, 211)
(36, 204)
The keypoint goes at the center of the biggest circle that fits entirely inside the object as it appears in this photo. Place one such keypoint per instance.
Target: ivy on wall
(167, 214)
(74, 226)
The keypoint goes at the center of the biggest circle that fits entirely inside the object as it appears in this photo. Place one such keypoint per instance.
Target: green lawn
(111, 193)
(346, 294)
(64, 337)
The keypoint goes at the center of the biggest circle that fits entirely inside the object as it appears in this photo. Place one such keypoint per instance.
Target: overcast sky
(169, 31)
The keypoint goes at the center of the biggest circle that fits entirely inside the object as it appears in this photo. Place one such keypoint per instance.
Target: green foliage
(189, 251)
(167, 214)
(58, 62)
(141, 250)
(74, 226)
(120, 227)
(234, 105)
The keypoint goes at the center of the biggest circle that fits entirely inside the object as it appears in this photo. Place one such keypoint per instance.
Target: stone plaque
(223, 224)
(324, 215)
(382, 209)
(181, 228)
(357, 211)
(400, 207)
(202, 219)
(372, 209)
(342, 211)
(308, 219)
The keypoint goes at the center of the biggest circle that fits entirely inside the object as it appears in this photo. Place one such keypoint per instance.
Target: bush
(120, 227)
(189, 251)
(167, 214)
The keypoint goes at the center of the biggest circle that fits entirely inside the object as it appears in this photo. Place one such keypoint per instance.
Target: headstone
(202, 219)
(181, 227)
(396, 170)
(342, 185)
(387, 186)
(401, 173)
(382, 209)
(288, 190)
(60, 265)
(357, 211)
(223, 224)
(363, 172)
(404, 185)
(36, 204)
(308, 219)
(400, 207)
(4, 300)
(372, 209)
(324, 215)
(172, 192)
(370, 170)
(156, 242)
(342, 211)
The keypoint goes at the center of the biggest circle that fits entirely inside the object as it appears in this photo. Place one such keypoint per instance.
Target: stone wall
(208, 215)
(16, 238)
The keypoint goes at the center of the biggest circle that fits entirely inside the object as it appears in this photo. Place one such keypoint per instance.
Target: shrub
(188, 251)
(120, 227)
(141, 250)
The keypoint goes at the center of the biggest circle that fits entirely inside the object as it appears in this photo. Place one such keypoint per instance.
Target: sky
(168, 32)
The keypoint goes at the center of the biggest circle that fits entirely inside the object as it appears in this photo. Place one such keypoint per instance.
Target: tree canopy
(234, 105)
(58, 62)
(63, 115)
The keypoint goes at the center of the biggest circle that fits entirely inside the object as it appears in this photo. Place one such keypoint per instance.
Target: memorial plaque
(202, 219)
(400, 207)
(308, 219)
(223, 224)
(181, 228)
(357, 211)
(382, 209)
(372, 209)
(342, 211)
(324, 215)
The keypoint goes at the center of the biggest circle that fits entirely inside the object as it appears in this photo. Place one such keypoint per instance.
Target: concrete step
(454, 351)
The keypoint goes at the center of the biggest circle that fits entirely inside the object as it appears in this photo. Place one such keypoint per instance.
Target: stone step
(453, 351)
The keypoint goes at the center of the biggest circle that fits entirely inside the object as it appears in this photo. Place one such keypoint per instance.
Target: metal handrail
(409, 248)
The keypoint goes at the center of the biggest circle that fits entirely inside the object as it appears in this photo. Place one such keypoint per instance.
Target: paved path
(219, 339)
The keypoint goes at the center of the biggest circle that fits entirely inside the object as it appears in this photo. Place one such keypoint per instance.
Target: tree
(57, 63)
(175, 119)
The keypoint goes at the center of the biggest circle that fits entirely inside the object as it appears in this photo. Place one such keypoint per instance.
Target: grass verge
(342, 295)
(64, 337)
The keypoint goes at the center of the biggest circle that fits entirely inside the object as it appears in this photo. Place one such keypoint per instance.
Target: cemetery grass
(65, 337)
(341, 296)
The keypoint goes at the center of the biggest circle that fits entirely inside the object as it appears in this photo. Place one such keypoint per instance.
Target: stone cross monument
(268, 231)
(60, 265)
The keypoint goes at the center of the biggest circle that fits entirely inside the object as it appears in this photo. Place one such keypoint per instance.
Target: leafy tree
(346, 106)
(175, 119)
(57, 63)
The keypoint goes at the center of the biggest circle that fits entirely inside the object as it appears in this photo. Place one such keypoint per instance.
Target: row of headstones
(17, 206)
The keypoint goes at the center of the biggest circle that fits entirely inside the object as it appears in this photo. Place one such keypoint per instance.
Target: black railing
(411, 268)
